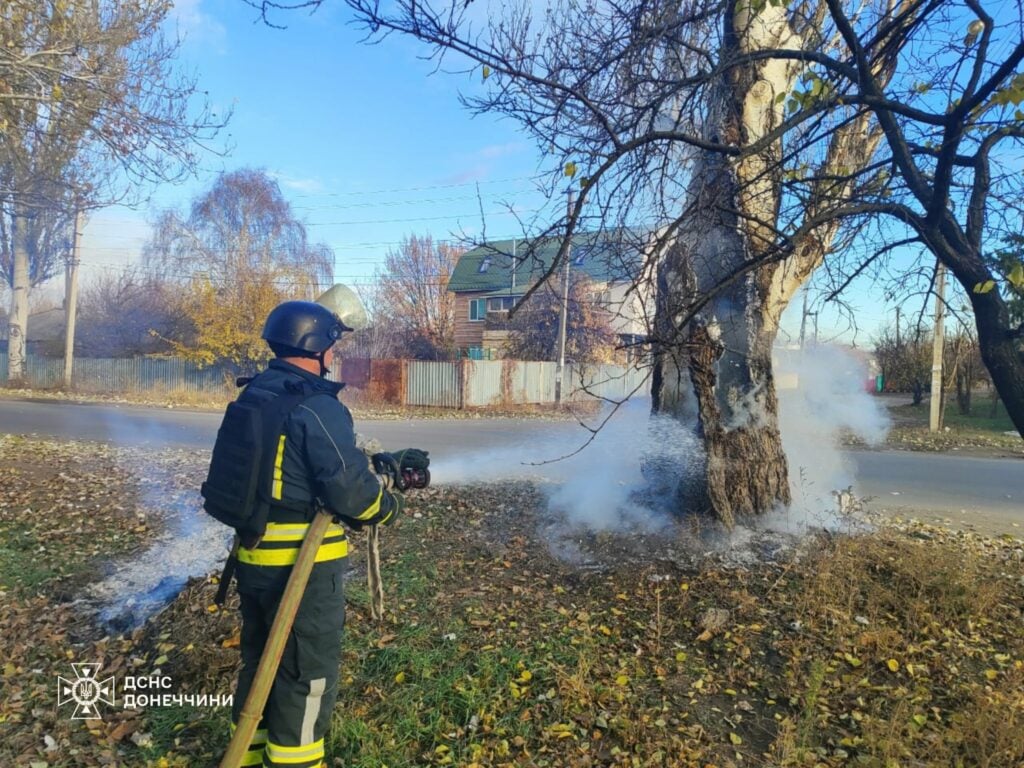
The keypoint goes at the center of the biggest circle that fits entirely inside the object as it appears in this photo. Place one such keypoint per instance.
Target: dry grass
(927, 648)
(884, 576)
(900, 648)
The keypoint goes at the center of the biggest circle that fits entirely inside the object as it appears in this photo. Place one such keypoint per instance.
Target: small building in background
(490, 279)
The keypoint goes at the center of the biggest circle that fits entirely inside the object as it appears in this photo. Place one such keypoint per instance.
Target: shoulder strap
(275, 415)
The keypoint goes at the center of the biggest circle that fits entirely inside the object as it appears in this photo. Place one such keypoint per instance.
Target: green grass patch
(980, 418)
(21, 567)
(979, 430)
(169, 727)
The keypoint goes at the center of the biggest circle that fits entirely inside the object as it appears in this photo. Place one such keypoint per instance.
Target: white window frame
(505, 303)
(480, 316)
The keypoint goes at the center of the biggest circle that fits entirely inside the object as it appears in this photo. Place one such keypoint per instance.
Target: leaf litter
(511, 639)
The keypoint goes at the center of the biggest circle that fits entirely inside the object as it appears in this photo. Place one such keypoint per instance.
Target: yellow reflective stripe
(295, 531)
(374, 508)
(253, 757)
(260, 737)
(278, 477)
(303, 754)
(333, 551)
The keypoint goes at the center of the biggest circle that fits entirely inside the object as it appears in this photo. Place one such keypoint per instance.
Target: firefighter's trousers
(298, 713)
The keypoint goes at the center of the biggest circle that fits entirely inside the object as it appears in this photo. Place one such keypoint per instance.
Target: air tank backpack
(239, 484)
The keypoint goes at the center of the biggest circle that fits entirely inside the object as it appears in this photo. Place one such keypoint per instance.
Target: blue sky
(366, 143)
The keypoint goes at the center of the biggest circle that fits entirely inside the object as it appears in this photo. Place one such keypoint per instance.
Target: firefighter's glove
(387, 466)
(412, 458)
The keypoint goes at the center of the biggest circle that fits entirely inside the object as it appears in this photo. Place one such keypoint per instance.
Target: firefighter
(315, 461)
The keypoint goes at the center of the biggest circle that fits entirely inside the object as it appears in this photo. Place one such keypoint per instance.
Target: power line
(332, 246)
(359, 281)
(390, 203)
(402, 220)
(416, 189)
(350, 206)
(426, 218)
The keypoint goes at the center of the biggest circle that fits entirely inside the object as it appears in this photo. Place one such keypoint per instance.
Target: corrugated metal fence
(483, 383)
(124, 375)
(461, 384)
(436, 384)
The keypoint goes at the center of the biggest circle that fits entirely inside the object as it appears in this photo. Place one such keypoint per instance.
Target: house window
(477, 309)
(485, 264)
(500, 303)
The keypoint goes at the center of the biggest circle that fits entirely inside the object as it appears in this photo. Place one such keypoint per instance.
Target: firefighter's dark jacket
(316, 456)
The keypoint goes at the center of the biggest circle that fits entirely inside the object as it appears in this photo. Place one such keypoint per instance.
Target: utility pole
(71, 299)
(898, 345)
(559, 371)
(935, 416)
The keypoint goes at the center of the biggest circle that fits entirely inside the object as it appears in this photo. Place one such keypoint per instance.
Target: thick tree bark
(716, 372)
(1002, 354)
(1002, 349)
(17, 324)
(716, 369)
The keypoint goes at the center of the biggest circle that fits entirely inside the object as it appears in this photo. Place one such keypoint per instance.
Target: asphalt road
(985, 492)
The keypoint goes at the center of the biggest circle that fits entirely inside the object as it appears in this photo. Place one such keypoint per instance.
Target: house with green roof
(489, 279)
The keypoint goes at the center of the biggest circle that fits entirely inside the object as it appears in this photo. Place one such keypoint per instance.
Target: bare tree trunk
(17, 324)
(717, 367)
(1000, 347)
(721, 359)
(717, 372)
(963, 392)
(1005, 364)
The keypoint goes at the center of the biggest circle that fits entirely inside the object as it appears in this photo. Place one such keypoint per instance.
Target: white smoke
(614, 483)
(823, 396)
(595, 487)
(188, 542)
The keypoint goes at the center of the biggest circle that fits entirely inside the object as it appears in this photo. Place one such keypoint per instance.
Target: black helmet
(307, 328)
